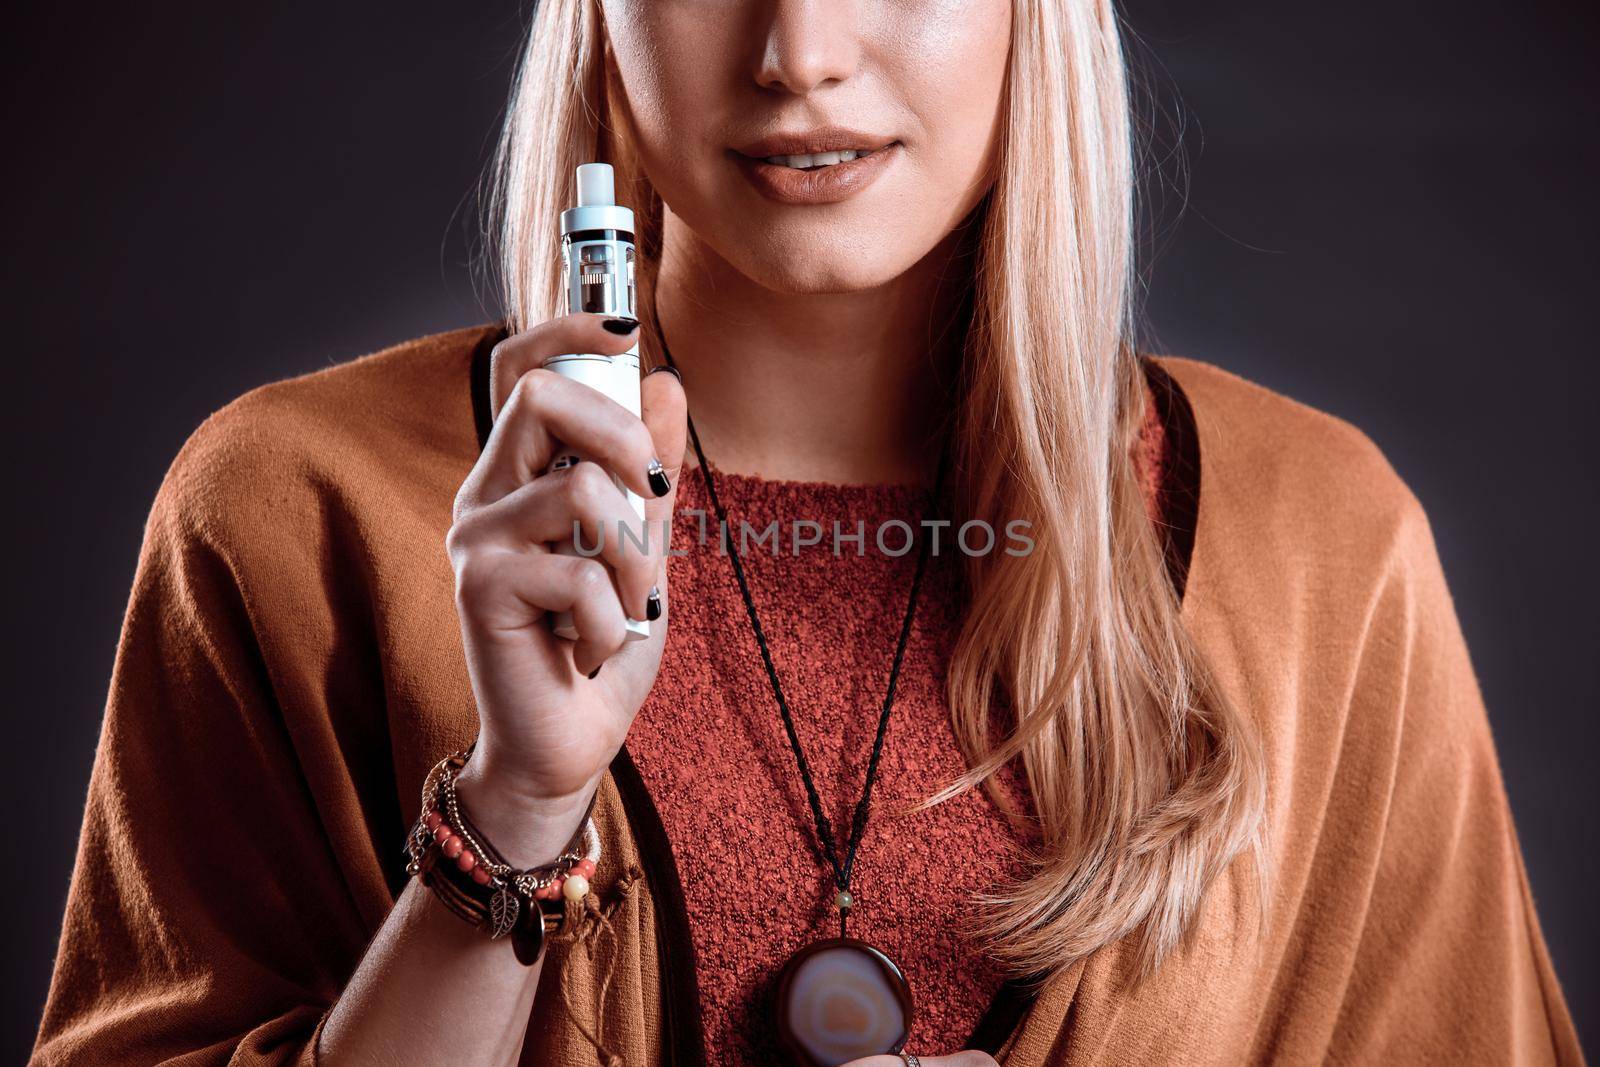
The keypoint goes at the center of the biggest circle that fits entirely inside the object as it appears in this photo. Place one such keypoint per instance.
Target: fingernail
(595, 671)
(652, 606)
(658, 478)
(623, 326)
(667, 367)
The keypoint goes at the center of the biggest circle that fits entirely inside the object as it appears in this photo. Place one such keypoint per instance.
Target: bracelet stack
(472, 879)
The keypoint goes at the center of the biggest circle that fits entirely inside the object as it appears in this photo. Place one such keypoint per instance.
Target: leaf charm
(503, 908)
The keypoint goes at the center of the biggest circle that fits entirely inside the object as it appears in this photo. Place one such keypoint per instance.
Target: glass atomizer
(597, 272)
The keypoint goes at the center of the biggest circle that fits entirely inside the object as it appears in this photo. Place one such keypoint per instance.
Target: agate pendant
(841, 999)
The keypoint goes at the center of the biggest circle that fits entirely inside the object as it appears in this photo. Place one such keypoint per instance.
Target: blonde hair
(1146, 780)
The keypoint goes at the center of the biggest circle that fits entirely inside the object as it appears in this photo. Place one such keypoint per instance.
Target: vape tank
(597, 262)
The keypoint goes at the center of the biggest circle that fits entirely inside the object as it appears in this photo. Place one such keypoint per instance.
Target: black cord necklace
(840, 998)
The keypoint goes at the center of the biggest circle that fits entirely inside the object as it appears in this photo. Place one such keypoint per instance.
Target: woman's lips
(817, 185)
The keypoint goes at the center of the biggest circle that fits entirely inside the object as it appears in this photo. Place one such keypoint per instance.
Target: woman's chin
(814, 268)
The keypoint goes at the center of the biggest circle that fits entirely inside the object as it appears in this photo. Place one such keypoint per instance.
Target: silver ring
(910, 1060)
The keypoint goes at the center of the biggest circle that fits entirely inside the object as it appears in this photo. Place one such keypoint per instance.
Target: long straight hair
(1146, 781)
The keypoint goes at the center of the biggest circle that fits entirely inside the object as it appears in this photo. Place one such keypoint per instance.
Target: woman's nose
(809, 43)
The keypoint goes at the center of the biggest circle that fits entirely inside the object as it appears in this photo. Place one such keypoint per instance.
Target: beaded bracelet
(474, 881)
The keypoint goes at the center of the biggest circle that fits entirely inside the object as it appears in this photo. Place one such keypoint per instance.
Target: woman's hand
(966, 1058)
(547, 730)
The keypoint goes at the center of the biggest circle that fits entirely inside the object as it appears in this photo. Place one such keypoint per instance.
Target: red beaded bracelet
(454, 847)
(466, 872)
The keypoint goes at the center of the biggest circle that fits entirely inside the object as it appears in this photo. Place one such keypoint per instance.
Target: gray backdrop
(1390, 216)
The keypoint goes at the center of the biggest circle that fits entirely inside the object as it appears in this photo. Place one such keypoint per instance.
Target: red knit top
(710, 746)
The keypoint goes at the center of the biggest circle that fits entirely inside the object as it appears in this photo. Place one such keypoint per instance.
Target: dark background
(1390, 216)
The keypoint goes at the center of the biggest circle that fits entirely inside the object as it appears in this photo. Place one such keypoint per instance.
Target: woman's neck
(849, 388)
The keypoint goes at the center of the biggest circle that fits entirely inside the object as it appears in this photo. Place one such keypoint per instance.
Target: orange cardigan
(290, 666)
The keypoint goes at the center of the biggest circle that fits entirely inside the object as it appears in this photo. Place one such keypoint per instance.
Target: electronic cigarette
(597, 276)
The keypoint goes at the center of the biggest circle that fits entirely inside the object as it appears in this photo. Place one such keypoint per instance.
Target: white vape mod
(597, 276)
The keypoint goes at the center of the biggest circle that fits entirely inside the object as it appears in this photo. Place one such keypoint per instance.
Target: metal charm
(503, 908)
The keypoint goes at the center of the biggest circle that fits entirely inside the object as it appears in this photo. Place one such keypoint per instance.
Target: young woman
(1185, 762)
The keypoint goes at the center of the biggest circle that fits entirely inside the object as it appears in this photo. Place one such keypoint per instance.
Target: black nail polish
(595, 671)
(652, 606)
(623, 326)
(658, 478)
(666, 367)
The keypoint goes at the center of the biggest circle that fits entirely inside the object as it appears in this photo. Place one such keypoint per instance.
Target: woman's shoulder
(1278, 461)
(1313, 544)
(405, 388)
(1299, 509)
(400, 413)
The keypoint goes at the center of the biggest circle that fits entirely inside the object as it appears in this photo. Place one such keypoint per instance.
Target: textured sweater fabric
(290, 666)
(711, 746)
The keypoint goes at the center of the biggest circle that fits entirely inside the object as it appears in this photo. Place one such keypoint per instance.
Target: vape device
(597, 276)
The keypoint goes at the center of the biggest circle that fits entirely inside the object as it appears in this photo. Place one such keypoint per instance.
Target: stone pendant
(841, 999)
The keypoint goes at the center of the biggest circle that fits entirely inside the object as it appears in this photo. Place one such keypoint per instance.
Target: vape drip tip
(596, 187)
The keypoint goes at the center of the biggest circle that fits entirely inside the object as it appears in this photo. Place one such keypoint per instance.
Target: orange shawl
(290, 666)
